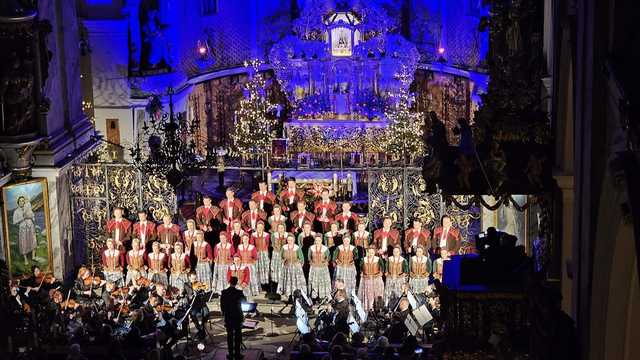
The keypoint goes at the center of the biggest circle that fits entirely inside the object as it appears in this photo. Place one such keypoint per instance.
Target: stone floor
(273, 330)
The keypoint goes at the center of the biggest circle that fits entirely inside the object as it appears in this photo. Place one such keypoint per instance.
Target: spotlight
(441, 50)
(279, 349)
(200, 346)
(202, 50)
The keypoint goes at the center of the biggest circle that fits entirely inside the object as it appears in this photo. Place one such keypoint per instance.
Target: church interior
(319, 179)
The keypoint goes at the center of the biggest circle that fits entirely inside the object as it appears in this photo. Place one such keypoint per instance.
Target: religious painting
(27, 228)
(507, 219)
(341, 41)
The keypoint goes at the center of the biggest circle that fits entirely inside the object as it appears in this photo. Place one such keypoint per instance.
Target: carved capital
(19, 156)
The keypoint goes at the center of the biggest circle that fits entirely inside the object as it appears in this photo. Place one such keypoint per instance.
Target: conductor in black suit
(230, 305)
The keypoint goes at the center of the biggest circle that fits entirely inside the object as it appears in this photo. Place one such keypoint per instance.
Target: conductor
(230, 305)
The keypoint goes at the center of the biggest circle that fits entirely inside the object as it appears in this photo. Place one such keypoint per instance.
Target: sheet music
(412, 325)
(422, 315)
(412, 300)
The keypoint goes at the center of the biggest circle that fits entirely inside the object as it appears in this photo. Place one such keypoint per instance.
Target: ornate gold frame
(47, 220)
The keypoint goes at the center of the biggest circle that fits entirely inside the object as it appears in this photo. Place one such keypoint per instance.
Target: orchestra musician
(342, 310)
(86, 285)
(144, 230)
(180, 266)
(223, 257)
(251, 217)
(263, 197)
(416, 236)
(113, 263)
(241, 272)
(347, 219)
(157, 265)
(278, 240)
(345, 257)
(420, 268)
(325, 211)
(260, 239)
(290, 196)
(119, 229)
(136, 259)
(387, 238)
(291, 277)
(371, 284)
(231, 208)
(446, 236)
(199, 310)
(248, 255)
(204, 257)
(168, 233)
(319, 279)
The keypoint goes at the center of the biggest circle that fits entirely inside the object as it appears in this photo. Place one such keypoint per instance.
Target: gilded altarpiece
(97, 188)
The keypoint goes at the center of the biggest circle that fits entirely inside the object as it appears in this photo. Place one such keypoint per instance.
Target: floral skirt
(276, 266)
(114, 276)
(419, 285)
(203, 273)
(254, 284)
(132, 274)
(262, 268)
(291, 279)
(370, 289)
(159, 278)
(177, 280)
(319, 282)
(393, 287)
(348, 275)
(220, 278)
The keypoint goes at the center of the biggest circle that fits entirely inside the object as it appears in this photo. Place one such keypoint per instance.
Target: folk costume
(112, 265)
(204, 258)
(243, 274)
(446, 238)
(420, 270)
(180, 266)
(248, 256)
(414, 238)
(278, 240)
(120, 231)
(292, 276)
(385, 240)
(261, 241)
(168, 235)
(325, 211)
(289, 198)
(371, 284)
(158, 268)
(264, 199)
(135, 265)
(319, 278)
(397, 271)
(345, 259)
(145, 231)
(231, 210)
(250, 219)
(223, 258)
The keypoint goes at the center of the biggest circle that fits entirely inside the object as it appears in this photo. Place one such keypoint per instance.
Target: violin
(199, 286)
(120, 292)
(56, 295)
(142, 281)
(26, 308)
(69, 304)
(164, 308)
(123, 309)
(43, 278)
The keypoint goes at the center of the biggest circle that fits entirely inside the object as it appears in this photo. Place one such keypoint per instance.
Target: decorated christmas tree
(404, 133)
(253, 128)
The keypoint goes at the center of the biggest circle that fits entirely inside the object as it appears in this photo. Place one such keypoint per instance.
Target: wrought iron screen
(97, 188)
